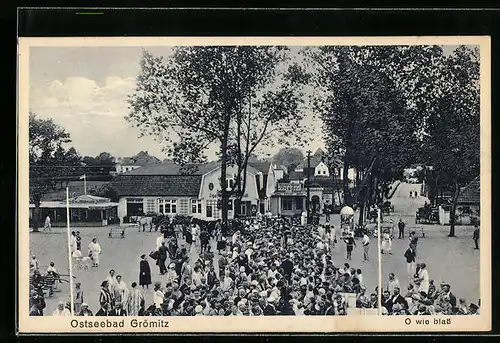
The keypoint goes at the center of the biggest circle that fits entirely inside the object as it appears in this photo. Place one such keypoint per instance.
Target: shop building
(85, 210)
(192, 190)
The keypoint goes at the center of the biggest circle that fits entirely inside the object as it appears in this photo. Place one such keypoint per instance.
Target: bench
(117, 231)
(419, 231)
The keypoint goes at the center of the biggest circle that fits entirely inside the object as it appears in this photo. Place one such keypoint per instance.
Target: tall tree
(235, 98)
(288, 156)
(365, 119)
(452, 137)
(46, 157)
(105, 158)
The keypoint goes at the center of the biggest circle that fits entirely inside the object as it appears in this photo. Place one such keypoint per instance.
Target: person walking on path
(78, 241)
(366, 247)
(423, 277)
(350, 244)
(327, 213)
(414, 241)
(72, 242)
(162, 258)
(204, 240)
(410, 261)
(401, 227)
(386, 242)
(94, 252)
(47, 226)
(220, 239)
(144, 272)
(475, 237)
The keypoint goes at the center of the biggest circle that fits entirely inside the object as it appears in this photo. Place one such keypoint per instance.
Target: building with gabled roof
(191, 190)
(141, 159)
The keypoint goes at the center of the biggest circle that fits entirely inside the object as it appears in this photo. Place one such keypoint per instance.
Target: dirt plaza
(452, 260)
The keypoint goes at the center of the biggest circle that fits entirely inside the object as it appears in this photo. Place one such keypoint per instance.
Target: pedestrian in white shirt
(366, 247)
(423, 276)
(48, 225)
(61, 310)
(392, 283)
(94, 252)
(158, 295)
(159, 241)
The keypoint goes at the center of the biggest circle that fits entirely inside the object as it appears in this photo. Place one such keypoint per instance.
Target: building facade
(194, 190)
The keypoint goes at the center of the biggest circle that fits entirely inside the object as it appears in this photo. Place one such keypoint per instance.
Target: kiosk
(346, 221)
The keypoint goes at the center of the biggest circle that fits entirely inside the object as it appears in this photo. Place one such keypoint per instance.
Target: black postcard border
(50, 22)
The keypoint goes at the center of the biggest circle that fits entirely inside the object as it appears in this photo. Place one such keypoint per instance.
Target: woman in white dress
(386, 242)
(121, 292)
(423, 276)
(171, 274)
(94, 252)
(72, 241)
(158, 295)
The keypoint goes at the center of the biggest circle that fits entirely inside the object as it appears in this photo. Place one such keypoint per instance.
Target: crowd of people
(269, 266)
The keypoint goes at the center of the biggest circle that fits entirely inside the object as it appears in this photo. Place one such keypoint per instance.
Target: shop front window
(286, 204)
(167, 206)
(299, 203)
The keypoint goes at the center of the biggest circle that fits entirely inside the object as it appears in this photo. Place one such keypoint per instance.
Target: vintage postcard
(334, 184)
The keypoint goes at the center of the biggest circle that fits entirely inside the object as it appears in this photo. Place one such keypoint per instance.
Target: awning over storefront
(89, 202)
(289, 194)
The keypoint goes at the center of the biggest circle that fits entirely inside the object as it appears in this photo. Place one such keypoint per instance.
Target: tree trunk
(223, 174)
(35, 218)
(36, 213)
(375, 194)
(333, 186)
(362, 206)
(453, 209)
(345, 183)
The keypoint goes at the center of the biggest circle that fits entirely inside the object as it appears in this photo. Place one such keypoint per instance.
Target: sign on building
(289, 187)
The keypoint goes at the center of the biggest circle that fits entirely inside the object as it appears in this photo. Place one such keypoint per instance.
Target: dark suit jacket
(396, 300)
(118, 312)
(410, 255)
(102, 312)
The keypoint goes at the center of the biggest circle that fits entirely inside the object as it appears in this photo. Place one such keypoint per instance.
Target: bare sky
(84, 89)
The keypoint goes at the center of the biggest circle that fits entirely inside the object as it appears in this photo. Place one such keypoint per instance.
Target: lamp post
(308, 185)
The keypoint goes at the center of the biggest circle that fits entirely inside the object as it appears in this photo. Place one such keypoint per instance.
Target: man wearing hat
(473, 309)
(84, 310)
(37, 304)
(445, 292)
(118, 311)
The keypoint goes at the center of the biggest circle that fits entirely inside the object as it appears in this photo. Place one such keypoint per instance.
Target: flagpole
(379, 265)
(85, 184)
(69, 253)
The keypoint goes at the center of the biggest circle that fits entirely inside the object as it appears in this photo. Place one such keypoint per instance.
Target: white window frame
(172, 205)
(196, 204)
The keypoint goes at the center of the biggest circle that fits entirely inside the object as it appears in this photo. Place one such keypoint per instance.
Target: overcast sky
(84, 90)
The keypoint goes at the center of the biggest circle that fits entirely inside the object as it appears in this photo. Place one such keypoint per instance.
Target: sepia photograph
(327, 184)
